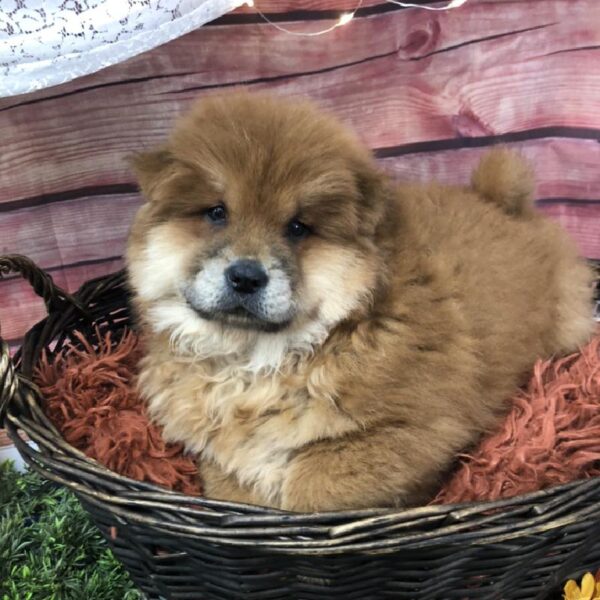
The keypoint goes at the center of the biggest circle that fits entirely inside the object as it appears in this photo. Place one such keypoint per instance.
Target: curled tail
(505, 179)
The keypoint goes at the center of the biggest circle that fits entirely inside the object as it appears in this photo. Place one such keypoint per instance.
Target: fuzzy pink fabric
(90, 397)
(550, 436)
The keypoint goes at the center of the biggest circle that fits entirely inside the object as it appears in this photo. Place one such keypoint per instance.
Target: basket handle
(12, 382)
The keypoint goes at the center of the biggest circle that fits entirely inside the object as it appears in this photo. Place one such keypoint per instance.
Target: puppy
(322, 338)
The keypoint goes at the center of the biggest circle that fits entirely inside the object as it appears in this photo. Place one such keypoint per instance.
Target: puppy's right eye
(217, 214)
(297, 230)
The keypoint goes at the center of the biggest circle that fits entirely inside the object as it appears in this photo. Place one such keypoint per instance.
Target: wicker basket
(180, 547)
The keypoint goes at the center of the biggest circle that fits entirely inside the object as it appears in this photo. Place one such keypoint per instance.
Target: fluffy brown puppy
(322, 338)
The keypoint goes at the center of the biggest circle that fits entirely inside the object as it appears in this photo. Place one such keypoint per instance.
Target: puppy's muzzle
(246, 277)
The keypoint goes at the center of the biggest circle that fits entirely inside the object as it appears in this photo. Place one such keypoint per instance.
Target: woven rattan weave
(178, 547)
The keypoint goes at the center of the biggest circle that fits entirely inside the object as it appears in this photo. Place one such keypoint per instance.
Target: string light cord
(451, 4)
(343, 20)
(346, 17)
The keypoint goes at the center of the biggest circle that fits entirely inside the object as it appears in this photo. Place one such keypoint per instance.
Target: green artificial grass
(49, 548)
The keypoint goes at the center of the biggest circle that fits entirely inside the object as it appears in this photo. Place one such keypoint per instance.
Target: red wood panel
(89, 229)
(287, 6)
(582, 222)
(81, 139)
(229, 54)
(21, 308)
(563, 168)
(95, 227)
(408, 81)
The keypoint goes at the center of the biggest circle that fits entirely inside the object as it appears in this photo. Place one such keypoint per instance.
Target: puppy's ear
(151, 168)
(375, 190)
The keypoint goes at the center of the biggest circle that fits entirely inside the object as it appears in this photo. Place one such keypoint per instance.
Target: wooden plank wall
(428, 91)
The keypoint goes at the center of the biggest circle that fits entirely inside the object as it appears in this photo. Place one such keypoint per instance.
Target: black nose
(246, 276)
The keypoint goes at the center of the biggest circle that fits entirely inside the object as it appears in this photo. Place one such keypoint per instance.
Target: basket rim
(377, 530)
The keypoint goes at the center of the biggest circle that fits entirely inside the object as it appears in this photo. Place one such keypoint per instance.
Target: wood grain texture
(564, 168)
(271, 7)
(428, 91)
(582, 221)
(254, 51)
(21, 308)
(94, 227)
(297, 9)
(392, 89)
(89, 228)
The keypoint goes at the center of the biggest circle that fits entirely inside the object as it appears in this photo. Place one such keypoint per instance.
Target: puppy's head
(260, 220)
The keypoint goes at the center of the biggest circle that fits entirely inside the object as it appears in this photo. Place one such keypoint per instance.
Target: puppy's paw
(304, 491)
(322, 481)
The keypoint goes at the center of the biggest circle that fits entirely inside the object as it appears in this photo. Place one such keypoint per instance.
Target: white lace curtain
(47, 42)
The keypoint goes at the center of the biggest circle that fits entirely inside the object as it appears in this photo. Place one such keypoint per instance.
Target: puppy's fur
(390, 332)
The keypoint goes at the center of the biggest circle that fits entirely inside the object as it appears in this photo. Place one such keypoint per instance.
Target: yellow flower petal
(572, 591)
(596, 595)
(588, 586)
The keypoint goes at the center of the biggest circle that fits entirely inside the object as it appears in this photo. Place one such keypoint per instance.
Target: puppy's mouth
(241, 318)
(253, 305)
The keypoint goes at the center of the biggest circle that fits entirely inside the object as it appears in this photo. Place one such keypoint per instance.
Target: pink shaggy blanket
(551, 434)
(90, 397)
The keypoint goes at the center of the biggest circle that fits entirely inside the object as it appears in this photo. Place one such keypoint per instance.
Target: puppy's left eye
(297, 230)
(217, 214)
